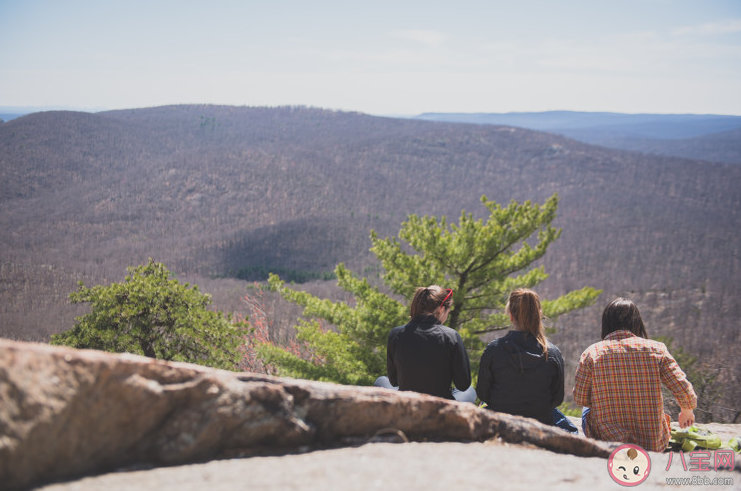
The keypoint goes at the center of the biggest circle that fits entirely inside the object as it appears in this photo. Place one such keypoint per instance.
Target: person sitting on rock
(426, 356)
(522, 372)
(618, 381)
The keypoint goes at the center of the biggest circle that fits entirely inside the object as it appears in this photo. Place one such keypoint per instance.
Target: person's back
(427, 357)
(619, 380)
(516, 377)
(522, 372)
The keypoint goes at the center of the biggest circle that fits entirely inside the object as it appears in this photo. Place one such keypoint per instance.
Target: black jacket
(516, 378)
(425, 356)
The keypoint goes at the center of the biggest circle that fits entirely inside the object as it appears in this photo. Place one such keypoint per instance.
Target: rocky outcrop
(65, 413)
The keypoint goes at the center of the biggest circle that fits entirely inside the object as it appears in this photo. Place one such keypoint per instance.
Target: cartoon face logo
(629, 465)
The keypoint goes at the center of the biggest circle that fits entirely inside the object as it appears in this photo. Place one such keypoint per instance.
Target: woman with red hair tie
(426, 356)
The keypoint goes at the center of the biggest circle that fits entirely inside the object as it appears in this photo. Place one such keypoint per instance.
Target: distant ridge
(651, 133)
(646, 125)
(7, 116)
(8, 113)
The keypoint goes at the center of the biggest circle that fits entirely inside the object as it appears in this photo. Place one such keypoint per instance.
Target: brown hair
(524, 307)
(427, 300)
(622, 314)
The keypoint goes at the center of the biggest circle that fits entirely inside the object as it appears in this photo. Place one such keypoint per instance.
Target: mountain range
(223, 194)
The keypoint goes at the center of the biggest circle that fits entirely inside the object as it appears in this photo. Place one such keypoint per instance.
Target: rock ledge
(66, 413)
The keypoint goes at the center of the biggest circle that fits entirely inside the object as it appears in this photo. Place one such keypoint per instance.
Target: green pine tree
(353, 354)
(482, 261)
(152, 315)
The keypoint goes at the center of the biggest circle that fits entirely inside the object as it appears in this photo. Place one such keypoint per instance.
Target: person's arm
(461, 366)
(557, 387)
(676, 381)
(583, 381)
(483, 386)
(390, 365)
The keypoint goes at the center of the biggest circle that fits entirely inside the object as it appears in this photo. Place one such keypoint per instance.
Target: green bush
(152, 315)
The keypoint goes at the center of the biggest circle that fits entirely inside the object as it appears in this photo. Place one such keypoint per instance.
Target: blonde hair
(427, 300)
(524, 307)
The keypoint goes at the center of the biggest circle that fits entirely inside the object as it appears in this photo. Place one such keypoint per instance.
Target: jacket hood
(525, 353)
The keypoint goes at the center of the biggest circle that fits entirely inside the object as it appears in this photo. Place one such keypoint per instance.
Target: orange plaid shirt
(620, 379)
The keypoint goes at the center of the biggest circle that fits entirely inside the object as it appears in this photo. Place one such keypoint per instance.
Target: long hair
(427, 300)
(622, 314)
(524, 306)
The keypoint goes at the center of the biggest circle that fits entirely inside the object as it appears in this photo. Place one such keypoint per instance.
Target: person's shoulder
(593, 349)
(447, 330)
(497, 343)
(552, 348)
(449, 333)
(395, 331)
(654, 344)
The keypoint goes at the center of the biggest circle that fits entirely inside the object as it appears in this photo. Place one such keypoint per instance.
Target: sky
(382, 57)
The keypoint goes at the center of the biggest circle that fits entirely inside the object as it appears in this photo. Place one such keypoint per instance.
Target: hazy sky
(375, 56)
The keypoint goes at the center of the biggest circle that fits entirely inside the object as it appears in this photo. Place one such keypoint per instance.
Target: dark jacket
(516, 378)
(425, 356)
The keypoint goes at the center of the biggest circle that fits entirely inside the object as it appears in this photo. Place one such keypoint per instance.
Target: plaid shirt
(620, 379)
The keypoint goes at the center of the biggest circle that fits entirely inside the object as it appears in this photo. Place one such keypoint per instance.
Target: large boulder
(65, 413)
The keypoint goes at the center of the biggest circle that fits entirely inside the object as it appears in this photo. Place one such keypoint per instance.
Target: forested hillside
(221, 192)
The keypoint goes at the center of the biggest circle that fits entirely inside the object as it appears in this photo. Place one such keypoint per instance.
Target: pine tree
(482, 261)
(152, 315)
(353, 354)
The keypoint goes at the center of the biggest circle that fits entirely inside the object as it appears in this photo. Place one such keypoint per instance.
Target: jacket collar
(427, 319)
(619, 335)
